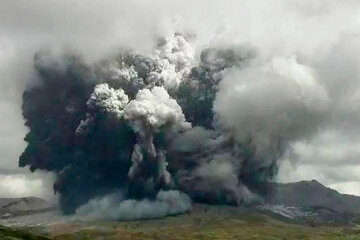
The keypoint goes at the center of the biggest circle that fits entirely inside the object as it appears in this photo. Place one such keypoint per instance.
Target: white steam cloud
(271, 105)
(115, 208)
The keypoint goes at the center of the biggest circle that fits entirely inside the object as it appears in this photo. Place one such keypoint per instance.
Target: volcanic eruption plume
(142, 135)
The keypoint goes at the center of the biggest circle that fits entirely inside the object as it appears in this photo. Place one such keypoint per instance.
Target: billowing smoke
(114, 207)
(137, 135)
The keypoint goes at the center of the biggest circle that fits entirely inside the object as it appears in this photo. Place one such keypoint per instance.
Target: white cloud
(24, 185)
(351, 187)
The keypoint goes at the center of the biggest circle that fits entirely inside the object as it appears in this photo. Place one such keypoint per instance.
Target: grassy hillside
(12, 234)
(203, 223)
(221, 232)
(208, 223)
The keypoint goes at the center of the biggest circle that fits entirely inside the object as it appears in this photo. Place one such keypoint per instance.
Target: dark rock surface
(314, 195)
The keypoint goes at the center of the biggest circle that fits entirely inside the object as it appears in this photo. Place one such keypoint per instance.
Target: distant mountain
(10, 207)
(312, 194)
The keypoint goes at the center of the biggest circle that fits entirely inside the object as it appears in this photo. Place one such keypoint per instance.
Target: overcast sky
(321, 34)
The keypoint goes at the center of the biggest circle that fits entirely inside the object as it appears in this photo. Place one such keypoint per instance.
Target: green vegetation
(16, 234)
(204, 223)
(212, 226)
(241, 231)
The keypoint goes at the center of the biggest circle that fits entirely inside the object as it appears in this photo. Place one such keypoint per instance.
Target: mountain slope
(312, 194)
(10, 207)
